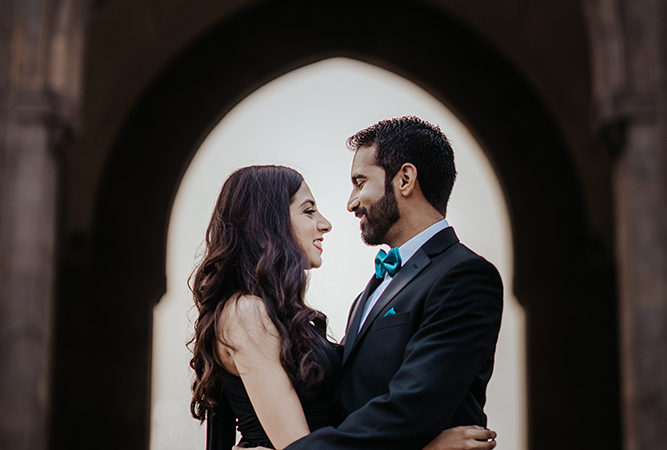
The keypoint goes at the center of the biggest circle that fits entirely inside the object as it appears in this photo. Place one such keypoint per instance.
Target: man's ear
(406, 179)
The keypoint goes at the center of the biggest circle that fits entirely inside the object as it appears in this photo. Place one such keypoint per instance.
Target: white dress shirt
(406, 251)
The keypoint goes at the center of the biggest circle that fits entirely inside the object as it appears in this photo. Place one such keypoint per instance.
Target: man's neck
(410, 226)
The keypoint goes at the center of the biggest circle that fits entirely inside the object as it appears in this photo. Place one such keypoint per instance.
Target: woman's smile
(308, 225)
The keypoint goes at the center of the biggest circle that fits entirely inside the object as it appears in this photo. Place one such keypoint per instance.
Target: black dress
(236, 410)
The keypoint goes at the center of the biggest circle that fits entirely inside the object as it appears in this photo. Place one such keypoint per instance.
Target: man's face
(368, 201)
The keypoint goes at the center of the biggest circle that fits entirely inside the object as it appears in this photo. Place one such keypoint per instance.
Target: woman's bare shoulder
(245, 320)
(244, 308)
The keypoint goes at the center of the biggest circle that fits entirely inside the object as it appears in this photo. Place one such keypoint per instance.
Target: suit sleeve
(221, 428)
(456, 336)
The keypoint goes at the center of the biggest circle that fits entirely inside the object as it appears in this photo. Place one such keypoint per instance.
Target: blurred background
(120, 120)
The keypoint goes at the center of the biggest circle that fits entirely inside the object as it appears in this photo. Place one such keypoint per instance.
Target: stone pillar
(40, 54)
(629, 45)
(641, 202)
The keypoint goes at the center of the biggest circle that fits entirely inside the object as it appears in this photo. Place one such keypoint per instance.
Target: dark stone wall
(629, 43)
(38, 98)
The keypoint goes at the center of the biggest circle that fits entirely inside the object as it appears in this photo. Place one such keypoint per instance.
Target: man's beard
(380, 216)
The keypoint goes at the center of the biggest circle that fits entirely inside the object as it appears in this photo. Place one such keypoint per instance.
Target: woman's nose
(324, 225)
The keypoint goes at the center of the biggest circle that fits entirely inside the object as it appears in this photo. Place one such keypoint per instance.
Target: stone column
(40, 54)
(629, 39)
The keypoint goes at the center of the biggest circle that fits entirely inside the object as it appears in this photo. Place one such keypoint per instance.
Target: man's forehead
(364, 157)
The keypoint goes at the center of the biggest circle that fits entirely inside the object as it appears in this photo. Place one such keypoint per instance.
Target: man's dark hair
(412, 140)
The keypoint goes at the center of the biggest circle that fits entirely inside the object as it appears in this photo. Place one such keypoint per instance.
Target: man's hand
(464, 438)
(241, 446)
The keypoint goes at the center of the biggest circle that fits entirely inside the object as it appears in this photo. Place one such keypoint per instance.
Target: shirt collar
(408, 249)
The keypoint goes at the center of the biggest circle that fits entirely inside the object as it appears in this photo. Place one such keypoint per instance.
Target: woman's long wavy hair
(251, 250)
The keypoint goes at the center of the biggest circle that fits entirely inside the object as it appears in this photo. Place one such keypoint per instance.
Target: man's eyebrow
(357, 176)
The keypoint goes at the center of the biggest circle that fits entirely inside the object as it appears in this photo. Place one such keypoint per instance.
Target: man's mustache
(360, 212)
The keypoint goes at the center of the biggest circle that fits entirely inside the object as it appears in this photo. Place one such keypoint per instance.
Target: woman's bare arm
(256, 355)
(460, 438)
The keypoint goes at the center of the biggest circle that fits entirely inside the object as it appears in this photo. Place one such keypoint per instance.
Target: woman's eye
(310, 211)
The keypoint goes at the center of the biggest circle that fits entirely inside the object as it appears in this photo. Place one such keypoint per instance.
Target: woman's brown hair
(251, 250)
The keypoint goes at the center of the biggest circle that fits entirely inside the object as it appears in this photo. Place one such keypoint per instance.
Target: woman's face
(308, 225)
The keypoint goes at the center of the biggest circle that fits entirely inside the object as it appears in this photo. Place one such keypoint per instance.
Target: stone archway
(561, 279)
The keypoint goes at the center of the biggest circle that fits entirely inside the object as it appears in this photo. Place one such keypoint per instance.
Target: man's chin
(370, 239)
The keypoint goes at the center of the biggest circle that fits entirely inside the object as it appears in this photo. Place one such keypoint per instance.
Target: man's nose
(352, 202)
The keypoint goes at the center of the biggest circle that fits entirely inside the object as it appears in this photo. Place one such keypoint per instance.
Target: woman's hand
(464, 438)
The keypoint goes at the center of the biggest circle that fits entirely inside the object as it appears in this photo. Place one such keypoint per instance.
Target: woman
(261, 355)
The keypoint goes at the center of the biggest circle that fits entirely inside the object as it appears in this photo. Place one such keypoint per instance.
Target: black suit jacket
(409, 375)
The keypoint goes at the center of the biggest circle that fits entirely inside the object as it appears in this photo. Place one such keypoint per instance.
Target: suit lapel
(355, 316)
(350, 316)
(422, 258)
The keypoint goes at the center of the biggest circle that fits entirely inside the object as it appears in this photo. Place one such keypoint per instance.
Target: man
(421, 338)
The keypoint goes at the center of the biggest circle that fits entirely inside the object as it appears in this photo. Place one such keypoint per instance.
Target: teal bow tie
(387, 262)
